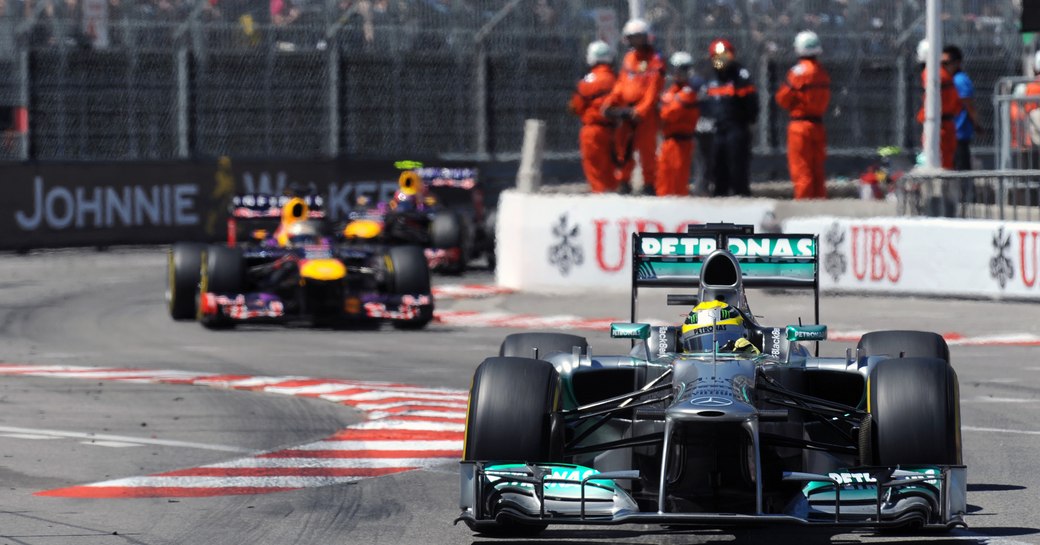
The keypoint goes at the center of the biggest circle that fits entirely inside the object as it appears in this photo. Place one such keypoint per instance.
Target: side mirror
(623, 330)
(806, 333)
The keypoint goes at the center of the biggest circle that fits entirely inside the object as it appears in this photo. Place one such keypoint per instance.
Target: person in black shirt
(731, 101)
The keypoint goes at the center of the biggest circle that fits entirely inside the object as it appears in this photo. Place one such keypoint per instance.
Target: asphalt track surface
(105, 310)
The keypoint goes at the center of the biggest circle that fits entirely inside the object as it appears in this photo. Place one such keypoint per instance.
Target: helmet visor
(706, 338)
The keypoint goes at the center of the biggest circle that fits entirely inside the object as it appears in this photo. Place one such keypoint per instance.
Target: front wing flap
(262, 306)
(931, 497)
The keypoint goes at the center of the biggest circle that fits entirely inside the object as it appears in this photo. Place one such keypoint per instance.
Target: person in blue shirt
(967, 119)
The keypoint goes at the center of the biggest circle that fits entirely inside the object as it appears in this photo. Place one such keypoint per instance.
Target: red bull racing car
(720, 421)
(440, 209)
(302, 269)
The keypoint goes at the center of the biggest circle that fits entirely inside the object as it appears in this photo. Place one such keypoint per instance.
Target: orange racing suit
(679, 115)
(951, 105)
(596, 138)
(805, 95)
(639, 87)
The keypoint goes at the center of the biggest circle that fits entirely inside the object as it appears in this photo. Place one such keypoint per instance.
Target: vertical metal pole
(636, 9)
(332, 143)
(133, 134)
(23, 101)
(1003, 119)
(764, 103)
(182, 103)
(900, 83)
(529, 175)
(690, 14)
(933, 106)
(269, 109)
(480, 101)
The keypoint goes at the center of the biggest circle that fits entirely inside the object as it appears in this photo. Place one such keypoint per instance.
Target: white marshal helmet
(922, 51)
(807, 44)
(634, 27)
(599, 52)
(680, 59)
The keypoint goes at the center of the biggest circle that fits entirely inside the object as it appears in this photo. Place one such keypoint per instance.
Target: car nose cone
(710, 408)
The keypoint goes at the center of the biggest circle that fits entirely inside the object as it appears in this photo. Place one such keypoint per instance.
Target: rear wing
(766, 260)
(261, 205)
(250, 215)
(464, 178)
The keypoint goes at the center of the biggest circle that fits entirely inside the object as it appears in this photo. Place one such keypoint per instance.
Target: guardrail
(979, 194)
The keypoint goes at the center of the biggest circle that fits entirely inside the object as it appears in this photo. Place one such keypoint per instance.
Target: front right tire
(914, 414)
(409, 274)
(512, 403)
(223, 272)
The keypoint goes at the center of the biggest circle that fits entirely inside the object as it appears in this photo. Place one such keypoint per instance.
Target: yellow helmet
(711, 323)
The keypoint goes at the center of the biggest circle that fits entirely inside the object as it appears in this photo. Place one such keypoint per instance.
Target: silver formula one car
(690, 428)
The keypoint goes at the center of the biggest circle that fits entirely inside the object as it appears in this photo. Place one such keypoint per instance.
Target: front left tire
(184, 260)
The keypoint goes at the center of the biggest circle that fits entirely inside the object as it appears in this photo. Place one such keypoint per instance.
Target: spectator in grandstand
(679, 115)
(283, 12)
(805, 94)
(596, 138)
(967, 119)
(732, 102)
(60, 22)
(634, 101)
(950, 106)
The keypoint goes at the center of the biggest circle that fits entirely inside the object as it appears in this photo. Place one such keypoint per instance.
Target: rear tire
(409, 274)
(223, 272)
(451, 231)
(182, 279)
(446, 230)
(914, 414)
(524, 344)
(911, 344)
(510, 418)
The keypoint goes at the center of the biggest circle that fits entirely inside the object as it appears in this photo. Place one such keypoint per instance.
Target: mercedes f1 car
(440, 209)
(684, 433)
(303, 270)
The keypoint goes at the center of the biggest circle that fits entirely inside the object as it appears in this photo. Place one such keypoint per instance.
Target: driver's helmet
(302, 233)
(405, 201)
(713, 322)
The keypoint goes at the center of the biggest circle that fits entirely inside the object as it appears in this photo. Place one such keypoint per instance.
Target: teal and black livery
(558, 434)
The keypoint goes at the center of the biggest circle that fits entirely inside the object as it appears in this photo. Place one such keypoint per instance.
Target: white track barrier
(968, 258)
(560, 242)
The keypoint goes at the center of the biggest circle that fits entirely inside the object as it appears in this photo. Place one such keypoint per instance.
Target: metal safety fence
(982, 194)
(1016, 102)
(168, 79)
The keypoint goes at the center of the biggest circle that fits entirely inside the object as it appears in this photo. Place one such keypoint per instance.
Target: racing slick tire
(524, 344)
(512, 403)
(904, 344)
(409, 274)
(914, 414)
(223, 271)
(448, 231)
(182, 279)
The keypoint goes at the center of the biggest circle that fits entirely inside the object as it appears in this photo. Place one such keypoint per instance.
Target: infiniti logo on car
(711, 401)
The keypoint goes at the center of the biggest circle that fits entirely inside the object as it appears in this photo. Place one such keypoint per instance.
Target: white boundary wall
(951, 257)
(569, 243)
(560, 242)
